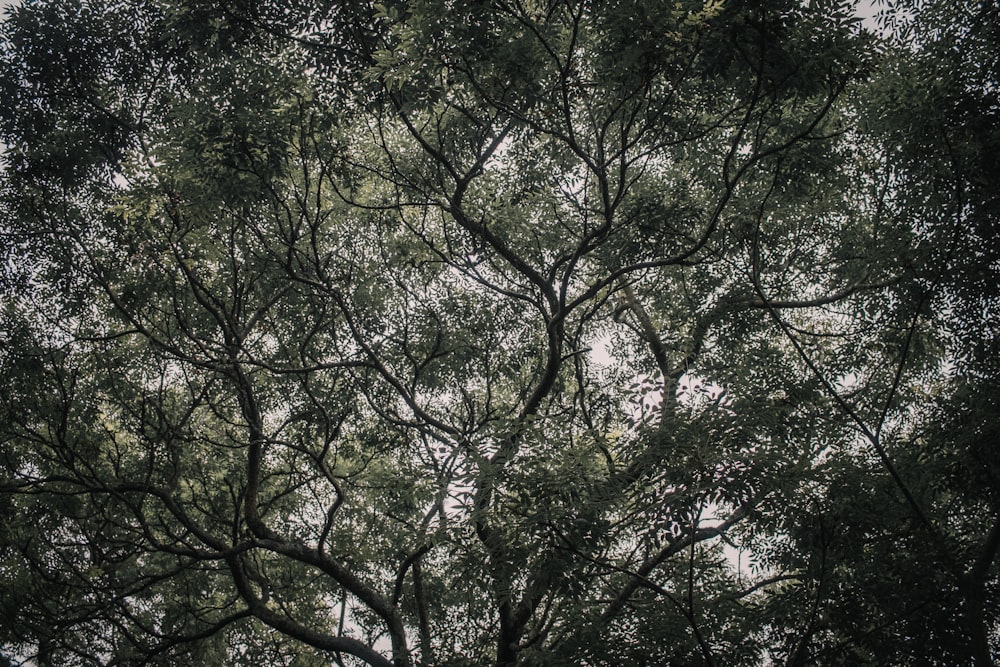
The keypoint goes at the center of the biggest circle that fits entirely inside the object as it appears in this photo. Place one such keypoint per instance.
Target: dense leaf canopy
(469, 332)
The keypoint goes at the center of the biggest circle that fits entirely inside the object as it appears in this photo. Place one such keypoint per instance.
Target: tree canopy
(499, 332)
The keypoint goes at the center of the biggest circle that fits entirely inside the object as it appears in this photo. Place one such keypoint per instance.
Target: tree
(470, 332)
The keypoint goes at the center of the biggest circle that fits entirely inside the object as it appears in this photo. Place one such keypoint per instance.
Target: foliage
(455, 332)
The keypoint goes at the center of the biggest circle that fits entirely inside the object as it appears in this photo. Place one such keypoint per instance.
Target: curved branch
(294, 629)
